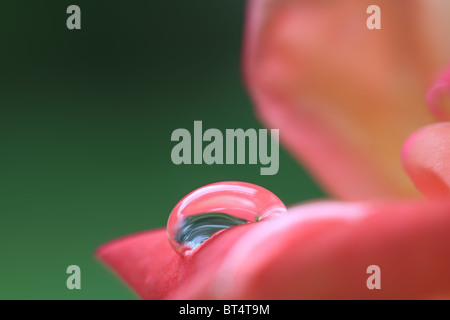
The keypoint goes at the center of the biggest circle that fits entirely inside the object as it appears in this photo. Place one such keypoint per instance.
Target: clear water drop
(218, 206)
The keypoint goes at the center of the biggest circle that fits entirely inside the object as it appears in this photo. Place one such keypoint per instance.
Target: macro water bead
(218, 206)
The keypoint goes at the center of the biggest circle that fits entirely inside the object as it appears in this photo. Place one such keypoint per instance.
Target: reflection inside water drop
(194, 230)
(218, 206)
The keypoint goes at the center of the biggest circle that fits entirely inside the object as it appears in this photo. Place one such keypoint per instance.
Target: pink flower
(350, 103)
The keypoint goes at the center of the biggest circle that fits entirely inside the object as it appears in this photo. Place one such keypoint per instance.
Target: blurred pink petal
(438, 96)
(345, 97)
(426, 157)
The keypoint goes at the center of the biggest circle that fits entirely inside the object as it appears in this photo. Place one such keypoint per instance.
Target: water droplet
(218, 206)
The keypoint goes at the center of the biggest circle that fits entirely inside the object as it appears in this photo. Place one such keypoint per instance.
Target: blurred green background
(85, 123)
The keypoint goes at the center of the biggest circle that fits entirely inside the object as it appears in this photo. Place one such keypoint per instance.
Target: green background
(85, 123)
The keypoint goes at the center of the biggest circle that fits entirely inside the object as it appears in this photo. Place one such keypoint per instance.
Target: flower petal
(317, 251)
(426, 157)
(147, 262)
(323, 252)
(345, 97)
(438, 97)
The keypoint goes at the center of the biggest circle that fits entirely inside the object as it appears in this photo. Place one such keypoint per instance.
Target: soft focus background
(85, 123)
